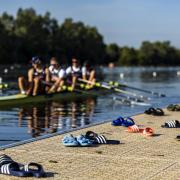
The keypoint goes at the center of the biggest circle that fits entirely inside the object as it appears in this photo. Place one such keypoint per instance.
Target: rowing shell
(13, 97)
(20, 99)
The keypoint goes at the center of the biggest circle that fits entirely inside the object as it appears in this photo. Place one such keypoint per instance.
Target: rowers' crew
(57, 75)
(38, 78)
(88, 74)
(74, 71)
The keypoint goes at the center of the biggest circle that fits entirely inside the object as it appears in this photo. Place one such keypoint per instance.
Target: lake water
(17, 124)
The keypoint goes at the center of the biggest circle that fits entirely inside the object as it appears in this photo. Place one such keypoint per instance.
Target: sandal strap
(133, 128)
(100, 139)
(5, 168)
(4, 159)
(91, 135)
(171, 124)
(150, 110)
(148, 131)
(158, 111)
(32, 164)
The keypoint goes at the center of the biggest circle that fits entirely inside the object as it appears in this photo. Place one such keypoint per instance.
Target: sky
(125, 22)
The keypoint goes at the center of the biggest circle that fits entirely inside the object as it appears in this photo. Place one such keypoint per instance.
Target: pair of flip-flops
(135, 129)
(72, 141)
(171, 124)
(10, 167)
(173, 107)
(154, 111)
(88, 139)
(120, 121)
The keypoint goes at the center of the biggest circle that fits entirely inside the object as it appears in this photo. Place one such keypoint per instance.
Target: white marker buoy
(121, 75)
(6, 71)
(154, 74)
(0, 80)
(178, 73)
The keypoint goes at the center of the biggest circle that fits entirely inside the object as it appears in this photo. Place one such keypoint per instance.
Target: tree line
(29, 34)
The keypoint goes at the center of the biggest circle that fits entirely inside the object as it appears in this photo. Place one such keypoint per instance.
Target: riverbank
(137, 157)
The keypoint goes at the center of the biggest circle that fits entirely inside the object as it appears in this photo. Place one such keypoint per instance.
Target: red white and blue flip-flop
(135, 129)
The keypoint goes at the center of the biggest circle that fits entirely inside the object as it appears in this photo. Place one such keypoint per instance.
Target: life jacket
(77, 73)
(41, 75)
(53, 71)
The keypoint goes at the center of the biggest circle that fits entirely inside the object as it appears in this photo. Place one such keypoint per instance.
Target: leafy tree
(112, 52)
(128, 56)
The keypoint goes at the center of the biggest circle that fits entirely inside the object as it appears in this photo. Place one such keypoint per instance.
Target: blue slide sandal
(83, 141)
(70, 141)
(120, 121)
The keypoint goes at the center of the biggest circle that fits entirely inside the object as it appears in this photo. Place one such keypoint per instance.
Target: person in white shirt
(88, 74)
(57, 75)
(74, 72)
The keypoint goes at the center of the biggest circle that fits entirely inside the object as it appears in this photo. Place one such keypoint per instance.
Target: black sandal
(158, 112)
(171, 124)
(173, 107)
(99, 139)
(154, 111)
(149, 111)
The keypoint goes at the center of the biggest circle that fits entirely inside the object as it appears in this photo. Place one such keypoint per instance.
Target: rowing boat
(20, 99)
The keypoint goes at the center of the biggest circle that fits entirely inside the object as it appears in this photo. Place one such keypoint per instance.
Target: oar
(135, 88)
(129, 102)
(68, 88)
(104, 85)
(124, 101)
(130, 98)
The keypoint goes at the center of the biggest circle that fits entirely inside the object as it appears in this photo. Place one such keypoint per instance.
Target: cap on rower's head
(35, 60)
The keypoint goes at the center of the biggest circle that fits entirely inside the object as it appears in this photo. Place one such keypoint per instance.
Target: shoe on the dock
(99, 139)
(135, 129)
(171, 124)
(178, 137)
(83, 141)
(154, 111)
(173, 107)
(35, 169)
(70, 141)
(120, 121)
(10, 167)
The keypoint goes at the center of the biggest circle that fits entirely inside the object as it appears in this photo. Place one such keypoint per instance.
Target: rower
(88, 74)
(57, 75)
(74, 72)
(38, 78)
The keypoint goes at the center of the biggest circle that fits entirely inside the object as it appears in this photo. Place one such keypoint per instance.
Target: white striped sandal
(34, 169)
(171, 124)
(99, 139)
(10, 167)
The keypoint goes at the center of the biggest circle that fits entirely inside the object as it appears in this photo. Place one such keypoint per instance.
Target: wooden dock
(137, 157)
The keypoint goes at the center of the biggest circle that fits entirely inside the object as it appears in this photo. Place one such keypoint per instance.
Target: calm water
(17, 124)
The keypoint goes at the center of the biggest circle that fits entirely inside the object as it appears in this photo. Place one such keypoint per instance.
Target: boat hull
(18, 99)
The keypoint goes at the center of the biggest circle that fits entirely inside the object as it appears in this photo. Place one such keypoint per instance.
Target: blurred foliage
(30, 34)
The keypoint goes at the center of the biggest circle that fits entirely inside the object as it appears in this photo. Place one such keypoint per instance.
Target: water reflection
(51, 117)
